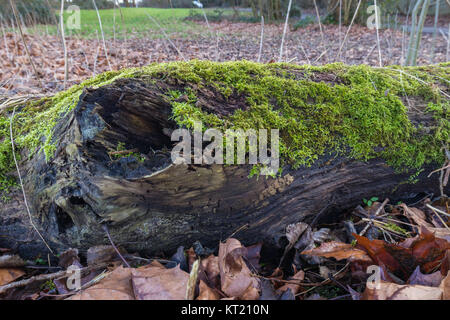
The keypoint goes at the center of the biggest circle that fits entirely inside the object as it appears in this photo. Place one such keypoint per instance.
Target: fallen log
(99, 153)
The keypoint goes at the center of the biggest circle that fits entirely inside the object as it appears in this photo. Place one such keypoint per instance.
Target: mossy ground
(353, 110)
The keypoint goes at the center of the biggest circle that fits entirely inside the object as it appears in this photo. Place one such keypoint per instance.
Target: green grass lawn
(136, 23)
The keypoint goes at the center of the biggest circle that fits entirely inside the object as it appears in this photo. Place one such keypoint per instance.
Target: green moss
(395, 228)
(358, 111)
(121, 147)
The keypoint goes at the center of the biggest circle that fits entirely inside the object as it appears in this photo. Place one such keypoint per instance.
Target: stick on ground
(103, 34)
(14, 9)
(284, 31)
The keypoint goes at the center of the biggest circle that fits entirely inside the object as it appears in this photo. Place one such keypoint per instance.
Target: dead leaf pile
(226, 276)
(415, 268)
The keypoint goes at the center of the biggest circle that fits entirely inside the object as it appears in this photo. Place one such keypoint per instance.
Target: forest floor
(405, 249)
(223, 41)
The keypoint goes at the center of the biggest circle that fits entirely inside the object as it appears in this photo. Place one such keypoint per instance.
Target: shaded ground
(224, 41)
(409, 246)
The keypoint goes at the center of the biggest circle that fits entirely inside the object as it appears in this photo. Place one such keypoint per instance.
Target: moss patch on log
(358, 111)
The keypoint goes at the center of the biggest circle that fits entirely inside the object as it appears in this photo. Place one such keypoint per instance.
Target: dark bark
(154, 206)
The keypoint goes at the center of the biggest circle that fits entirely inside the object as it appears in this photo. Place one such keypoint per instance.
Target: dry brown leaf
(99, 254)
(115, 286)
(251, 293)
(9, 275)
(253, 255)
(191, 257)
(295, 288)
(206, 293)
(445, 287)
(277, 274)
(339, 251)
(418, 216)
(426, 251)
(210, 271)
(392, 291)
(445, 265)
(294, 231)
(159, 283)
(11, 261)
(235, 276)
(68, 258)
(430, 280)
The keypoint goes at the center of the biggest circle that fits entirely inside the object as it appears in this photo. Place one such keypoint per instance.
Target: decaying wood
(155, 205)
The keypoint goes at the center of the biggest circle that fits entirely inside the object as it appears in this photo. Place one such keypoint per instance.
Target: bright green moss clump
(358, 111)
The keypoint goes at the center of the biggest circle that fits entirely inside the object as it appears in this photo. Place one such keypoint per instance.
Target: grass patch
(136, 23)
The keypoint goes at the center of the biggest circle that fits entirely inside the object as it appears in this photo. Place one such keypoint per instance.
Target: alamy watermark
(257, 153)
(74, 278)
(373, 21)
(374, 280)
(74, 18)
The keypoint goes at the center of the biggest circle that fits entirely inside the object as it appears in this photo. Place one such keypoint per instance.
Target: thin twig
(443, 168)
(436, 209)
(206, 18)
(304, 53)
(377, 26)
(105, 227)
(325, 281)
(321, 31)
(284, 31)
(442, 220)
(376, 214)
(24, 43)
(448, 43)
(340, 22)
(415, 78)
(94, 72)
(21, 182)
(103, 34)
(25, 282)
(262, 39)
(348, 30)
(63, 38)
(167, 37)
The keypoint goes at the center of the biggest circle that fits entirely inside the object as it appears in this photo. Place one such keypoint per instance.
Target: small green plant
(40, 261)
(121, 147)
(48, 285)
(370, 201)
(329, 291)
(354, 242)
(395, 228)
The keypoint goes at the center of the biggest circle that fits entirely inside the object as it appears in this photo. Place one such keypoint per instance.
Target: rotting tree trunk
(155, 206)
